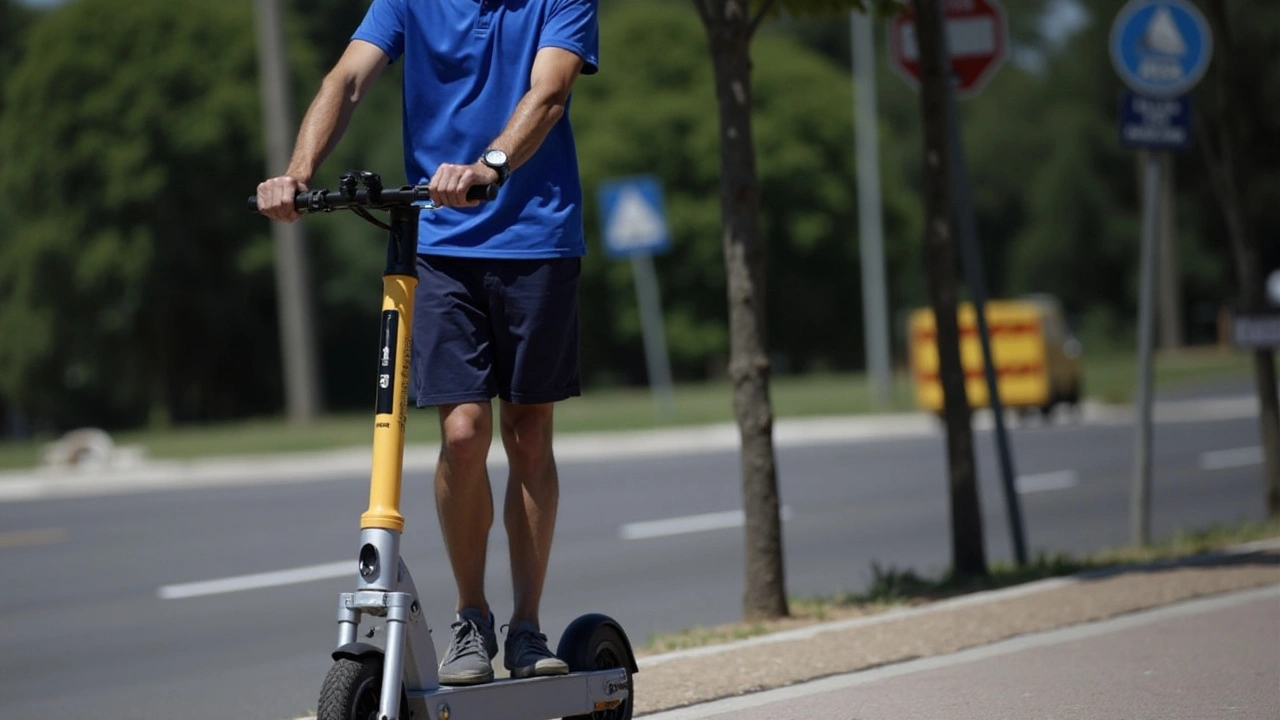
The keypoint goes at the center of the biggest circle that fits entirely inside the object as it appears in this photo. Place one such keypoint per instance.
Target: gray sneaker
(525, 653)
(468, 661)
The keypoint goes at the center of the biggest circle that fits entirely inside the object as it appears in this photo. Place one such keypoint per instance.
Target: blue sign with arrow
(632, 216)
(1161, 48)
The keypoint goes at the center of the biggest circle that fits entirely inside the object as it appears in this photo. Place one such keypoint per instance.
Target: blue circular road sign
(1161, 48)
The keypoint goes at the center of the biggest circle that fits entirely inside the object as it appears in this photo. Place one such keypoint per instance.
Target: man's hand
(450, 184)
(275, 197)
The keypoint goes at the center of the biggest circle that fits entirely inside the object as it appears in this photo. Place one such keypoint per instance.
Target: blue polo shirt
(466, 67)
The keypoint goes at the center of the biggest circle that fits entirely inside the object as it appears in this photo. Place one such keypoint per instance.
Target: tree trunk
(1229, 175)
(968, 552)
(729, 34)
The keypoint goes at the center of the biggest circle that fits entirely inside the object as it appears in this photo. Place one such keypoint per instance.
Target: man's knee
(526, 434)
(466, 432)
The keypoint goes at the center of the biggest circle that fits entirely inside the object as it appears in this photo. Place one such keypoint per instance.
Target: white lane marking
(1048, 638)
(1225, 459)
(345, 568)
(1041, 482)
(687, 524)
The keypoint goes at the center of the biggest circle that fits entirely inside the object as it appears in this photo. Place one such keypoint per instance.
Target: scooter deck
(540, 698)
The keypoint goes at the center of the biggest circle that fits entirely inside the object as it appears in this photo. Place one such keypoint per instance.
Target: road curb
(144, 476)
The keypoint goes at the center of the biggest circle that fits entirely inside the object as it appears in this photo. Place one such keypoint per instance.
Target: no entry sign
(977, 38)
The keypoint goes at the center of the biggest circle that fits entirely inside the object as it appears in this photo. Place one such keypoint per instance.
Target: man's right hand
(275, 197)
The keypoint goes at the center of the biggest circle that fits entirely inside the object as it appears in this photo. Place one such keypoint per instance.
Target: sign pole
(971, 260)
(657, 362)
(1140, 509)
(1160, 49)
(634, 225)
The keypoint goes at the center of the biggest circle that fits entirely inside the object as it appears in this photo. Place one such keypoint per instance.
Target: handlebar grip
(483, 192)
(299, 201)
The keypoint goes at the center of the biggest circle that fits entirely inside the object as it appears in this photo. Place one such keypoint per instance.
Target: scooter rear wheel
(605, 648)
(353, 689)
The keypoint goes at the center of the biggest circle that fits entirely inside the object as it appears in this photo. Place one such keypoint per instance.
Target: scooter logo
(384, 404)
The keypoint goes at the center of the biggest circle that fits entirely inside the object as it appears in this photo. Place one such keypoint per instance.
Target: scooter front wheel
(353, 689)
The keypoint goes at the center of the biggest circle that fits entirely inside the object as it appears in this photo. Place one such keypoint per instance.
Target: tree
(1231, 173)
(730, 26)
(968, 553)
(135, 285)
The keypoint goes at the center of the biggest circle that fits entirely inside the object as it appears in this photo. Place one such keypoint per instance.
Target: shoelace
(524, 641)
(467, 640)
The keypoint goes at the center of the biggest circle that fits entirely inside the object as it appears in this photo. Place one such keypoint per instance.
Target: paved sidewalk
(690, 678)
(1215, 657)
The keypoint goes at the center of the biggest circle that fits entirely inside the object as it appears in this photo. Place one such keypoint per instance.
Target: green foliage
(650, 112)
(1056, 197)
(153, 293)
(133, 285)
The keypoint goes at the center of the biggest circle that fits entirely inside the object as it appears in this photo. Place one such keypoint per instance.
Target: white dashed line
(687, 524)
(1041, 482)
(345, 568)
(1226, 459)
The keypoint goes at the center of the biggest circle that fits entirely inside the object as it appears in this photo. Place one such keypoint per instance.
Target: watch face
(495, 157)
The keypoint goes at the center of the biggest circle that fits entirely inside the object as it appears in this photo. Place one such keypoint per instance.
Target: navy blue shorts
(486, 328)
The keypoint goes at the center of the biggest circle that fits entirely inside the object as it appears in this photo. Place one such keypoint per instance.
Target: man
(486, 94)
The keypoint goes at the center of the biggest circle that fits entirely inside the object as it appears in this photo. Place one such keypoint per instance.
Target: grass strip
(892, 588)
(1107, 378)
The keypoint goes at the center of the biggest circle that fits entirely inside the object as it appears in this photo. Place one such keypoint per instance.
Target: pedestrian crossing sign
(632, 217)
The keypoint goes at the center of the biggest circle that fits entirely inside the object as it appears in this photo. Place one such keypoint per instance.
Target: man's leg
(464, 502)
(533, 492)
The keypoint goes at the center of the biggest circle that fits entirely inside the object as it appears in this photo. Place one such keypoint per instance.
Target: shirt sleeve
(572, 25)
(383, 26)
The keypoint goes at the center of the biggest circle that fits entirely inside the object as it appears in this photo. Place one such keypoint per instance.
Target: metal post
(1170, 296)
(875, 304)
(293, 292)
(657, 361)
(971, 260)
(1140, 502)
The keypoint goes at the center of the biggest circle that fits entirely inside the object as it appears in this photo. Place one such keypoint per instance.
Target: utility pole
(293, 290)
(875, 303)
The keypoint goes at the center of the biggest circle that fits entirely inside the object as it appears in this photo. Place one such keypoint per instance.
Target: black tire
(602, 647)
(352, 690)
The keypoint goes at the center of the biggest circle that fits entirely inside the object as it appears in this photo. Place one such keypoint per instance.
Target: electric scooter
(399, 681)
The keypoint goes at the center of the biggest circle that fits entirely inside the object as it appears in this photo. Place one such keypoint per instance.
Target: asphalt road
(132, 606)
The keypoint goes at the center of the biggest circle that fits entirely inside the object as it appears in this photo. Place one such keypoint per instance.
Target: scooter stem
(399, 281)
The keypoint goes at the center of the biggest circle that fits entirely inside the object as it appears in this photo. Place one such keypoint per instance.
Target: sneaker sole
(542, 668)
(467, 679)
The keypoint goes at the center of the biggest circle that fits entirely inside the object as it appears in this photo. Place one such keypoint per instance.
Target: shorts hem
(542, 398)
(455, 398)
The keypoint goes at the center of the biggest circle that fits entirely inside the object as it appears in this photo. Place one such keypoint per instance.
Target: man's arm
(550, 82)
(322, 126)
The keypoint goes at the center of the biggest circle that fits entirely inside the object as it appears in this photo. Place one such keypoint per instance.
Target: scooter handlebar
(327, 200)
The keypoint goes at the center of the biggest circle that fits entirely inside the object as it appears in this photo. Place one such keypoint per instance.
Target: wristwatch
(497, 159)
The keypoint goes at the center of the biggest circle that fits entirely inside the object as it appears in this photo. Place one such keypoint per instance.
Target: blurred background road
(220, 602)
